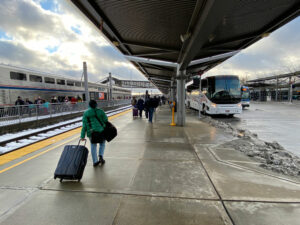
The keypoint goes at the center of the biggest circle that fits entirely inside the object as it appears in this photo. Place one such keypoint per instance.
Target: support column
(110, 87)
(173, 87)
(86, 87)
(290, 90)
(180, 97)
(276, 98)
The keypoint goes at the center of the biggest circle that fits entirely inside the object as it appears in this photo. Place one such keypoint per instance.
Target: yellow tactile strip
(42, 144)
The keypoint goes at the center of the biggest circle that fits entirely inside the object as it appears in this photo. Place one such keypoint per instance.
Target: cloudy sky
(276, 54)
(52, 36)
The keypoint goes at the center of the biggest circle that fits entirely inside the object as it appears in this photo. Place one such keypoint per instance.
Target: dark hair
(93, 104)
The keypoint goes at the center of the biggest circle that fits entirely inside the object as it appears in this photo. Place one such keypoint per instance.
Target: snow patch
(271, 155)
(23, 142)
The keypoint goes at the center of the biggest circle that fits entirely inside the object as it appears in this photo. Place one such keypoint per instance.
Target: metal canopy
(187, 32)
(286, 75)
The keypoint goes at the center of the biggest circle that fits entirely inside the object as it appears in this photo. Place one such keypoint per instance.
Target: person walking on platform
(152, 104)
(93, 121)
(133, 102)
(146, 105)
(140, 106)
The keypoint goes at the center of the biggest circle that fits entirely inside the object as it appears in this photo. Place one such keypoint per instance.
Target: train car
(31, 84)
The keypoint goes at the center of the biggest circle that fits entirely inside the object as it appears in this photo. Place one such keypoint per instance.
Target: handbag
(109, 132)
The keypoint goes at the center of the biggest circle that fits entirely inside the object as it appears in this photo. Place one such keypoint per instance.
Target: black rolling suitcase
(72, 162)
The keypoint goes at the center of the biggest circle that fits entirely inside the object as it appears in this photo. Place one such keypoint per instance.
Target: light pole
(86, 87)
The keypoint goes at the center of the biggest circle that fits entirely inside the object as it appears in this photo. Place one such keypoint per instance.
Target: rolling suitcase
(135, 112)
(72, 162)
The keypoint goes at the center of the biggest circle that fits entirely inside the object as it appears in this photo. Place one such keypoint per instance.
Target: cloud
(17, 53)
(272, 55)
(52, 36)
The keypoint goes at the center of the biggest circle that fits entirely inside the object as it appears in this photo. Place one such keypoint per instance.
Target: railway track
(14, 143)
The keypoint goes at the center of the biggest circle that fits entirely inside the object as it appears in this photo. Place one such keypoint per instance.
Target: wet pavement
(272, 122)
(154, 174)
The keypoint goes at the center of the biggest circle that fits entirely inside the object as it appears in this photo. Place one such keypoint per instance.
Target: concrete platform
(155, 174)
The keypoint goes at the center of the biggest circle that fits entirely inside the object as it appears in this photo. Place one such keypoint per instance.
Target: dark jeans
(150, 114)
(147, 113)
(140, 112)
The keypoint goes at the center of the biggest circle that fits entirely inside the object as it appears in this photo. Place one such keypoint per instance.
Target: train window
(70, 83)
(60, 81)
(49, 80)
(17, 76)
(77, 84)
(35, 78)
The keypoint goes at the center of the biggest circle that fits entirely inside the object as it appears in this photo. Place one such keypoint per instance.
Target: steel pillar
(110, 87)
(86, 87)
(173, 88)
(180, 97)
(276, 98)
(290, 90)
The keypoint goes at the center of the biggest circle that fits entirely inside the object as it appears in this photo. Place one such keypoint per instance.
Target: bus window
(203, 84)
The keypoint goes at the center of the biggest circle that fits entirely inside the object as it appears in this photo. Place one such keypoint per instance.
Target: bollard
(173, 115)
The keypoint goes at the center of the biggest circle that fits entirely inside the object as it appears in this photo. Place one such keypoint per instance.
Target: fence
(25, 113)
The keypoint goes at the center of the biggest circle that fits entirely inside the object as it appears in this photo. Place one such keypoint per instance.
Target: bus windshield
(224, 89)
(245, 95)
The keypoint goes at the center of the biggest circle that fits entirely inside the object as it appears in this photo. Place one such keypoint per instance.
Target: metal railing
(24, 113)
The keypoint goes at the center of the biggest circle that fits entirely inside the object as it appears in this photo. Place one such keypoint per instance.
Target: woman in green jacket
(90, 123)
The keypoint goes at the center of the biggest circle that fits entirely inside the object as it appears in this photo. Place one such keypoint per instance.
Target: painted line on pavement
(42, 144)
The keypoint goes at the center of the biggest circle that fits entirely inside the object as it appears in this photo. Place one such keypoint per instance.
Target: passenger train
(218, 95)
(31, 84)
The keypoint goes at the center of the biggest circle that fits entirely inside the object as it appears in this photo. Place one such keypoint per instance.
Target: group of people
(40, 101)
(148, 105)
(95, 119)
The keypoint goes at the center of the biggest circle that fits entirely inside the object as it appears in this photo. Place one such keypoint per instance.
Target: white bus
(219, 95)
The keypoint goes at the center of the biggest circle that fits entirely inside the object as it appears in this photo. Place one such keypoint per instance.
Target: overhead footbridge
(169, 41)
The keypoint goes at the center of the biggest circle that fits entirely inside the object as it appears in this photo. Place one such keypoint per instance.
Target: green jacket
(95, 125)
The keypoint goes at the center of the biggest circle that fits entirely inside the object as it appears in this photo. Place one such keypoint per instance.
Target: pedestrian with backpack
(93, 123)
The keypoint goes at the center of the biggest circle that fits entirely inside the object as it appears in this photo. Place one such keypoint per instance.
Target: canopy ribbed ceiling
(185, 30)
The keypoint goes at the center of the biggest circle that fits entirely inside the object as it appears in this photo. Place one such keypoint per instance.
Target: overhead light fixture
(184, 37)
(115, 43)
(265, 35)
(211, 37)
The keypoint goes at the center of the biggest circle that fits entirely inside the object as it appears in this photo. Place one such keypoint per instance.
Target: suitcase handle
(80, 140)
